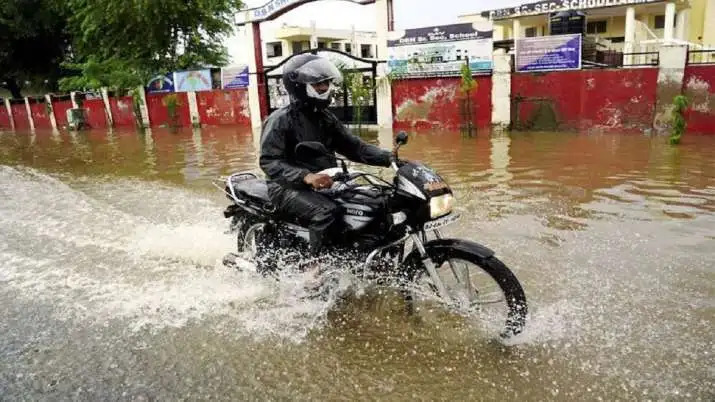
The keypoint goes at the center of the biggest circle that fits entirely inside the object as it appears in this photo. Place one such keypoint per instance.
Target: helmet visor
(318, 70)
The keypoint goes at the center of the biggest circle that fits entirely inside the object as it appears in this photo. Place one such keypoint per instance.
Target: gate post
(384, 87)
(256, 84)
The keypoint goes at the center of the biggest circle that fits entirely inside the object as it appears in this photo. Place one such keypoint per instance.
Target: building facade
(288, 40)
(622, 25)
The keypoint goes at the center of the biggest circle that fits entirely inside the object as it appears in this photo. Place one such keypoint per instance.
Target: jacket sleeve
(274, 160)
(358, 150)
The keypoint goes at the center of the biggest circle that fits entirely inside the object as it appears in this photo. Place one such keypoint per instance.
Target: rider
(310, 80)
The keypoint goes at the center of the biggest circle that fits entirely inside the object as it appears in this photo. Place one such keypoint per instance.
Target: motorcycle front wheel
(476, 285)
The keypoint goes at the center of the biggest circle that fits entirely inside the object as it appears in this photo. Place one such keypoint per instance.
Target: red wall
(159, 114)
(122, 111)
(19, 115)
(583, 100)
(60, 107)
(39, 114)
(435, 103)
(699, 87)
(217, 108)
(4, 116)
(96, 114)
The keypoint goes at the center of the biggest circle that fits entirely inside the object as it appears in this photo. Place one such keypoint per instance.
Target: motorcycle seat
(254, 188)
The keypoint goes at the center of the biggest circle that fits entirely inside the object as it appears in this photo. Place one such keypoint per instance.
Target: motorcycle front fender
(462, 245)
(446, 246)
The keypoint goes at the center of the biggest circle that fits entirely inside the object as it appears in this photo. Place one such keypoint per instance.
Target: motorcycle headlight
(441, 205)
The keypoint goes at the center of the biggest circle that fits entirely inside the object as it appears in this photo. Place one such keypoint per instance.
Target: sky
(342, 15)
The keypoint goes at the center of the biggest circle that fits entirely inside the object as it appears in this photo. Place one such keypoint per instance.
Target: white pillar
(501, 90)
(75, 105)
(681, 28)
(51, 111)
(9, 113)
(669, 21)
(313, 36)
(516, 29)
(143, 107)
(253, 96)
(384, 87)
(671, 72)
(498, 32)
(630, 34)
(107, 107)
(29, 113)
(709, 29)
(194, 109)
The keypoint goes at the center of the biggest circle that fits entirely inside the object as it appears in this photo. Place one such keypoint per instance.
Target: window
(349, 48)
(297, 47)
(274, 49)
(321, 45)
(596, 27)
(530, 32)
(365, 51)
(660, 22)
(335, 46)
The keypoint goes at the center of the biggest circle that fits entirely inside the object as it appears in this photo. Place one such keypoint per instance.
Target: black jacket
(288, 126)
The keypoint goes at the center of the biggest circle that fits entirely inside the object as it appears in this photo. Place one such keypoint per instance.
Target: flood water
(112, 288)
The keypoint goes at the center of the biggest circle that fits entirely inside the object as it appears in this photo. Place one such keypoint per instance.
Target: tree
(33, 43)
(122, 43)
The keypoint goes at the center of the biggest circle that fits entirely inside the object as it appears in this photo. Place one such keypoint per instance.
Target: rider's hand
(318, 181)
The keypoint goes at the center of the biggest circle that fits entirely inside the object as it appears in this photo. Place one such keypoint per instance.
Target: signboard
(275, 8)
(554, 6)
(187, 81)
(234, 77)
(440, 49)
(160, 83)
(548, 53)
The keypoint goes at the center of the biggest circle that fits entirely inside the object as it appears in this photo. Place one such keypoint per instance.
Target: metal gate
(355, 101)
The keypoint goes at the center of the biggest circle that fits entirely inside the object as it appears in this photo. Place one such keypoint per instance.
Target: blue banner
(548, 53)
(234, 77)
(160, 83)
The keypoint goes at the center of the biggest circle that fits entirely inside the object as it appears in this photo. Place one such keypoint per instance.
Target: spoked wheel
(476, 287)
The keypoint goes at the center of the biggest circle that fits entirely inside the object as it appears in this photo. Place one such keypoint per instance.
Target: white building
(282, 42)
(289, 39)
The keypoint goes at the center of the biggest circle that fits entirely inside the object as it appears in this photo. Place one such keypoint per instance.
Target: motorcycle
(379, 220)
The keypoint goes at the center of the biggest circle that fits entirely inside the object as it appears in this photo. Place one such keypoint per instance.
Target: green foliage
(113, 73)
(359, 88)
(468, 83)
(122, 43)
(88, 44)
(680, 103)
(466, 86)
(33, 43)
(172, 103)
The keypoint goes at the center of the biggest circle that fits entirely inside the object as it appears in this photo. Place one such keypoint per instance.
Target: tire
(506, 280)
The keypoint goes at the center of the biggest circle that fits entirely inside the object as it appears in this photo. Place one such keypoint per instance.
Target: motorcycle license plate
(441, 222)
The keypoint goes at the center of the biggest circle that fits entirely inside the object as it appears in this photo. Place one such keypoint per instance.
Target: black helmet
(305, 69)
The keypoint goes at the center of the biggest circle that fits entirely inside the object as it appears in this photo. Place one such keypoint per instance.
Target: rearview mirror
(311, 149)
(401, 138)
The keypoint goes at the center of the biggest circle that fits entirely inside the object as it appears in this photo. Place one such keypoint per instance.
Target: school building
(621, 25)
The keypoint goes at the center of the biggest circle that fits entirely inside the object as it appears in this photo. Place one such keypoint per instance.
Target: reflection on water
(111, 283)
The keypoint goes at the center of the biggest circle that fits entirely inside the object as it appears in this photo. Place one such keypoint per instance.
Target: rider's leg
(318, 212)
